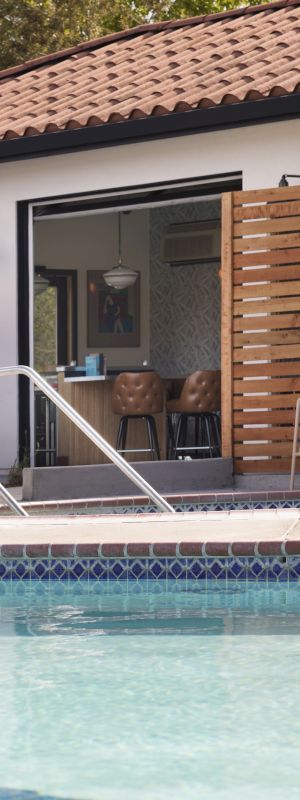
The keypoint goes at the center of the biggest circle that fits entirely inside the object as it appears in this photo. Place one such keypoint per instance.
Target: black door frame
(57, 278)
(216, 184)
(23, 325)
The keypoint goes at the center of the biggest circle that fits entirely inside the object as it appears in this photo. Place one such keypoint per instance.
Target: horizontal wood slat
(269, 385)
(266, 226)
(275, 305)
(277, 241)
(262, 353)
(284, 401)
(263, 434)
(287, 256)
(275, 195)
(275, 368)
(269, 211)
(272, 417)
(269, 449)
(268, 321)
(251, 275)
(283, 289)
(270, 337)
(271, 465)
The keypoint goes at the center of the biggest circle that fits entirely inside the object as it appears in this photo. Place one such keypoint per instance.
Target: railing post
(90, 432)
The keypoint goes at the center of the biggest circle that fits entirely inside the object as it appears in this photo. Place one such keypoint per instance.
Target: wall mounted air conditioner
(192, 243)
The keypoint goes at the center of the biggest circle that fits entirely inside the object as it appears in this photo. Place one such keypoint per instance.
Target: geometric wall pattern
(184, 301)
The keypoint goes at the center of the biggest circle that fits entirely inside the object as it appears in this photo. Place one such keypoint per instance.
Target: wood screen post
(226, 325)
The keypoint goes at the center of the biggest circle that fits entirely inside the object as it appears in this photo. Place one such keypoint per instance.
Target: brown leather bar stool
(200, 401)
(138, 395)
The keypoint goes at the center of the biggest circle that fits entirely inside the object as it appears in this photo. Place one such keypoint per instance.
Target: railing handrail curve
(90, 432)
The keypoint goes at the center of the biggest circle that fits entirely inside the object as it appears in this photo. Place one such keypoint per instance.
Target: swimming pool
(150, 692)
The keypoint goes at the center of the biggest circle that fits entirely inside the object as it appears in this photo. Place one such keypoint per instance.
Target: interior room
(168, 321)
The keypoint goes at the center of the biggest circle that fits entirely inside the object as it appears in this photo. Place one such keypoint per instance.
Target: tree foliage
(30, 28)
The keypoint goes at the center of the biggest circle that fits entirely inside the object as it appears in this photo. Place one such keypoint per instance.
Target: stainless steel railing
(90, 432)
(12, 502)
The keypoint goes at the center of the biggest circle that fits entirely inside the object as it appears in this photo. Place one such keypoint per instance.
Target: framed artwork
(113, 315)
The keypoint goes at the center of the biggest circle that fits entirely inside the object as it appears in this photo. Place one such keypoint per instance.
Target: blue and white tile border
(165, 562)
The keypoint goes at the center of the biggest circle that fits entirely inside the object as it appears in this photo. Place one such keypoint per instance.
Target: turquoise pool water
(151, 695)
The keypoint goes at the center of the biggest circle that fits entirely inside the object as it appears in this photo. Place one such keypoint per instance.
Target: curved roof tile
(232, 57)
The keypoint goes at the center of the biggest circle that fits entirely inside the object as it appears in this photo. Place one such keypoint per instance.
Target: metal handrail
(90, 432)
(12, 502)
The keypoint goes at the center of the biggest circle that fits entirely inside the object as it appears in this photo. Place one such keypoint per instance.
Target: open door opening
(55, 342)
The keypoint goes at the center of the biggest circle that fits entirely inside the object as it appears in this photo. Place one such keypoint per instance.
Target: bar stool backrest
(137, 393)
(201, 392)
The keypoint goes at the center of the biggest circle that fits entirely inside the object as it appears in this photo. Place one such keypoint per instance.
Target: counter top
(85, 378)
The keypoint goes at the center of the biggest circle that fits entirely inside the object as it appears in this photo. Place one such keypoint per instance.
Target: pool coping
(194, 534)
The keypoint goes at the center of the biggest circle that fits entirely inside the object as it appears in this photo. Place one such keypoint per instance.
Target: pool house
(171, 149)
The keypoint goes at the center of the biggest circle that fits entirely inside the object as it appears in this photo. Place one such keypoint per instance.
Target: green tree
(30, 28)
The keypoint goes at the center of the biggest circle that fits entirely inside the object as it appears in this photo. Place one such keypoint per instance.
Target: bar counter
(91, 397)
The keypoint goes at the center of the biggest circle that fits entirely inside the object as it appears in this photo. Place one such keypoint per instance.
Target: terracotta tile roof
(232, 57)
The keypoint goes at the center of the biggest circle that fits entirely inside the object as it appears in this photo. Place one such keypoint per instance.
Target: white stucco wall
(261, 152)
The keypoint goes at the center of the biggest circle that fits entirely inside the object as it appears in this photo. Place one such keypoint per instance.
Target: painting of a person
(112, 322)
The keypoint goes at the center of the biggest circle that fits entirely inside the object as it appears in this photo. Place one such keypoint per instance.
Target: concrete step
(106, 480)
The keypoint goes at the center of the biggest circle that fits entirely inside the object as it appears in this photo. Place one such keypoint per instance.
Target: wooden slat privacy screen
(260, 327)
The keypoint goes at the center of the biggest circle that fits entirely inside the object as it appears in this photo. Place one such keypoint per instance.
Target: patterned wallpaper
(184, 301)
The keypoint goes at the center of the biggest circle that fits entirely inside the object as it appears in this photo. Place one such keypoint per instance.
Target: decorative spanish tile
(38, 568)
(277, 570)
(237, 569)
(99, 570)
(242, 565)
(60, 569)
(137, 569)
(176, 568)
(20, 570)
(157, 569)
(78, 570)
(216, 569)
(196, 569)
(119, 570)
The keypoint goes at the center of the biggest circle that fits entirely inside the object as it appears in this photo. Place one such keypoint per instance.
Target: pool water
(149, 695)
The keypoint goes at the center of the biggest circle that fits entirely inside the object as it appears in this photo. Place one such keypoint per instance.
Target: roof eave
(200, 120)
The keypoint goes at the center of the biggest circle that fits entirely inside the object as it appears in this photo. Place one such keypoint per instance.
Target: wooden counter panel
(93, 401)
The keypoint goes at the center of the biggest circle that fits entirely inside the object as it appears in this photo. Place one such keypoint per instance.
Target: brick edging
(151, 550)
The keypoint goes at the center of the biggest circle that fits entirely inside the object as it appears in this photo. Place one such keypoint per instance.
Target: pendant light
(120, 277)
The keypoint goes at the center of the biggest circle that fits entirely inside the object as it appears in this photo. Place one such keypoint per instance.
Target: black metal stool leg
(170, 437)
(208, 434)
(197, 430)
(178, 434)
(216, 424)
(154, 436)
(124, 432)
(185, 430)
(150, 436)
(203, 435)
(119, 434)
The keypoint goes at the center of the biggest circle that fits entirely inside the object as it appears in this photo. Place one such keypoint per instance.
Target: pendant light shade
(120, 277)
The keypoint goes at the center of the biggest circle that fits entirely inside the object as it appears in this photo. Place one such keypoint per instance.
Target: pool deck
(198, 533)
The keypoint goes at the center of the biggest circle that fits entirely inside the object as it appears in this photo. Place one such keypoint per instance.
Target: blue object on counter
(94, 364)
